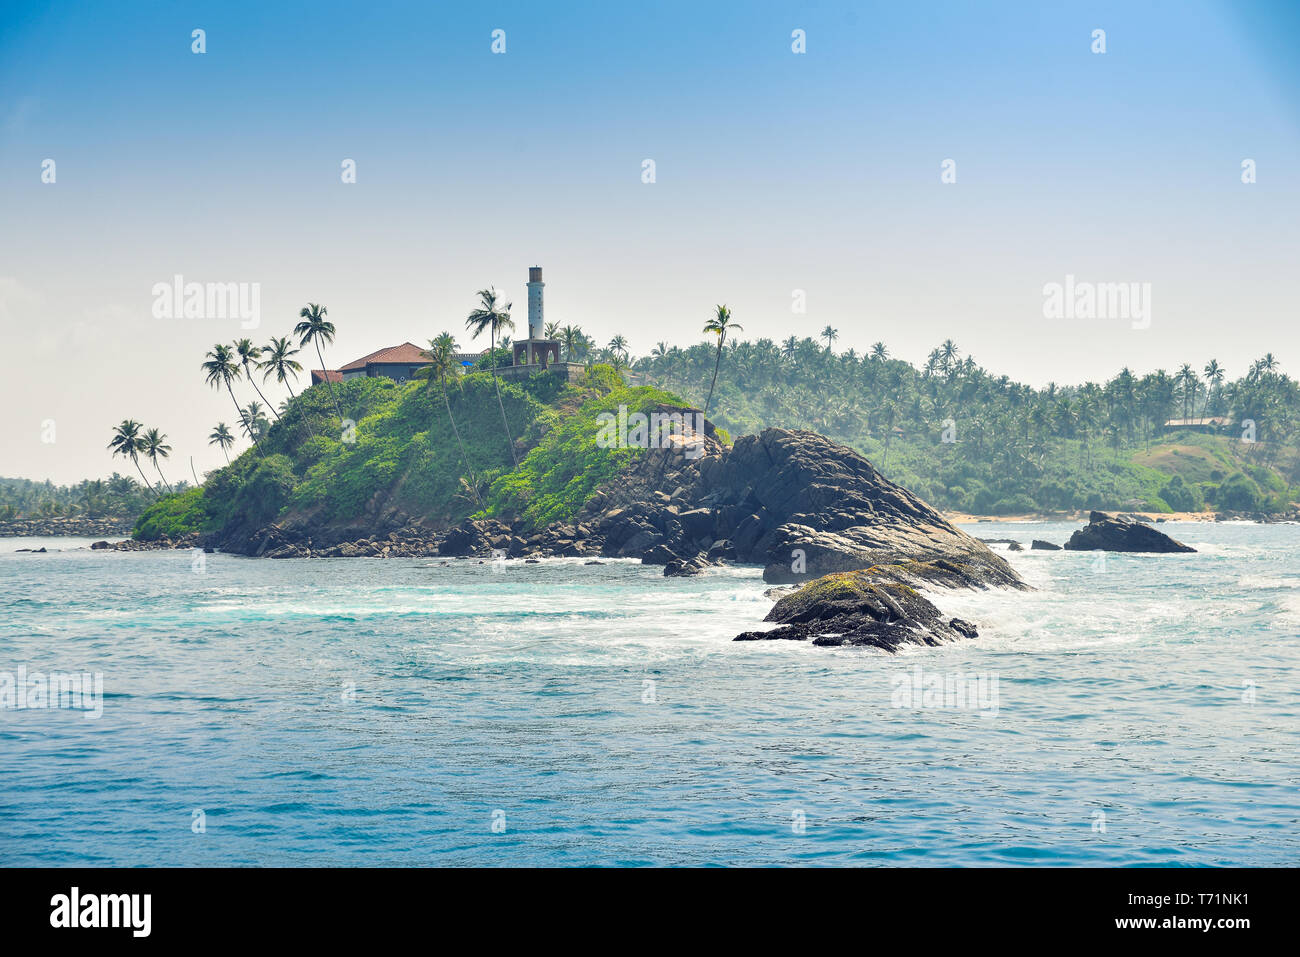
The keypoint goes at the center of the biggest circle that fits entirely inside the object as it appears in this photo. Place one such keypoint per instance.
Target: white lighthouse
(536, 324)
(536, 349)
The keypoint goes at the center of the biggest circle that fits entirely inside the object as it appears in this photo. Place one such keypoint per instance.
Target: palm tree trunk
(252, 426)
(329, 385)
(164, 479)
(716, 362)
(310, 430)
(147, 483)
(492, 360)
(265, 401)
(463, 457)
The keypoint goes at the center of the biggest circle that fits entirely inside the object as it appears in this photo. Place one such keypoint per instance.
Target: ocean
(1132, 710)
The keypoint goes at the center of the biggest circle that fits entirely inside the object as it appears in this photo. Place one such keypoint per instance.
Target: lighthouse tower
(536, 349)
(536, 324)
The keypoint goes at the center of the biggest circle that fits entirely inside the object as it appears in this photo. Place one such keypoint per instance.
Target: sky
(779, 177)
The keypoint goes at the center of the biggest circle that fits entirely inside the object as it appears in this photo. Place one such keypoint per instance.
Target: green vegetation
(560, 474)
(433, 448)
(173, 516)
(964, 439)
(117, 497)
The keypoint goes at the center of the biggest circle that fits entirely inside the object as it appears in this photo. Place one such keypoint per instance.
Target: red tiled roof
(320, 375)
(407, 352)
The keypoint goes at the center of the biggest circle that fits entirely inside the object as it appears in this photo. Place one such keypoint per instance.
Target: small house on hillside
(1206, 424)
(399, 363)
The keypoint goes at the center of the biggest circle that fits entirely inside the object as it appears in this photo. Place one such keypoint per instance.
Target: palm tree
(221, 370)
(1213, 379)
(126, 442)
(154, 444)
(888, 418)
(552, 330)
(830, 335)
(248, 355)
(619, 344)
(948, 353)
(1187, 380)
(494, 317)
(571, 338)
(719, 325)
(254, 421)
(879, 352)
(316, 328)
(221, 437)
(442, 365)
(281, 363)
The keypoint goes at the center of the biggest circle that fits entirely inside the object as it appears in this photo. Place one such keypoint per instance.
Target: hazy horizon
(775, 172)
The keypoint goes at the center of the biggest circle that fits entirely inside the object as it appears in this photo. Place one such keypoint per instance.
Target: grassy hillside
(396, 451)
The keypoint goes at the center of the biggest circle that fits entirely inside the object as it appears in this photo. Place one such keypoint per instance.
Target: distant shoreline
(963, 518)
(66, 527)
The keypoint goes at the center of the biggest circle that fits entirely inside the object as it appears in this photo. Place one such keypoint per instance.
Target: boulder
(660, 555)
(877, 607)
(680, 568)
(812, 507)
(1039, 545)
(1110, 533)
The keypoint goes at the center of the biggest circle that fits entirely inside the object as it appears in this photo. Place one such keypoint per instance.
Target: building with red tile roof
(400, 362)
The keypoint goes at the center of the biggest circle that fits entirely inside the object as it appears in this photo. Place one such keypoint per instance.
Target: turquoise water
(366, 712)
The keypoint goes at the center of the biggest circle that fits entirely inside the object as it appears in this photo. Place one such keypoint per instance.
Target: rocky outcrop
(878, 606)
(161, 544)
(1110, 533)
(794, 502)
(1038, 545)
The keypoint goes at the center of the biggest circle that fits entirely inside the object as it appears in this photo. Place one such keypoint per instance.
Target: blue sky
(775, 172)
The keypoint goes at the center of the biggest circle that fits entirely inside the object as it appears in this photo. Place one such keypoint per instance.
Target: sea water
(1136, 710)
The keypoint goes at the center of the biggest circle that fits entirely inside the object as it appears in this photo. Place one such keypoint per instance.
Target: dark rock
(1114, 534)
(660, 555)
(809, 507)
(697, 523)
(1039, 545)
(963, 627)
(721, 551)
(640, 542)
(878, 607)
(99, 545)
(1015, 547)
(679, 568)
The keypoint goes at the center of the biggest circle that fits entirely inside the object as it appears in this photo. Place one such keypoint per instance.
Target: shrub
(1181, 496)
(172, 516)
(1238, 494)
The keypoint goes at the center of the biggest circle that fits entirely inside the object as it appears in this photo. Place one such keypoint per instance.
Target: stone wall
(85, 527)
